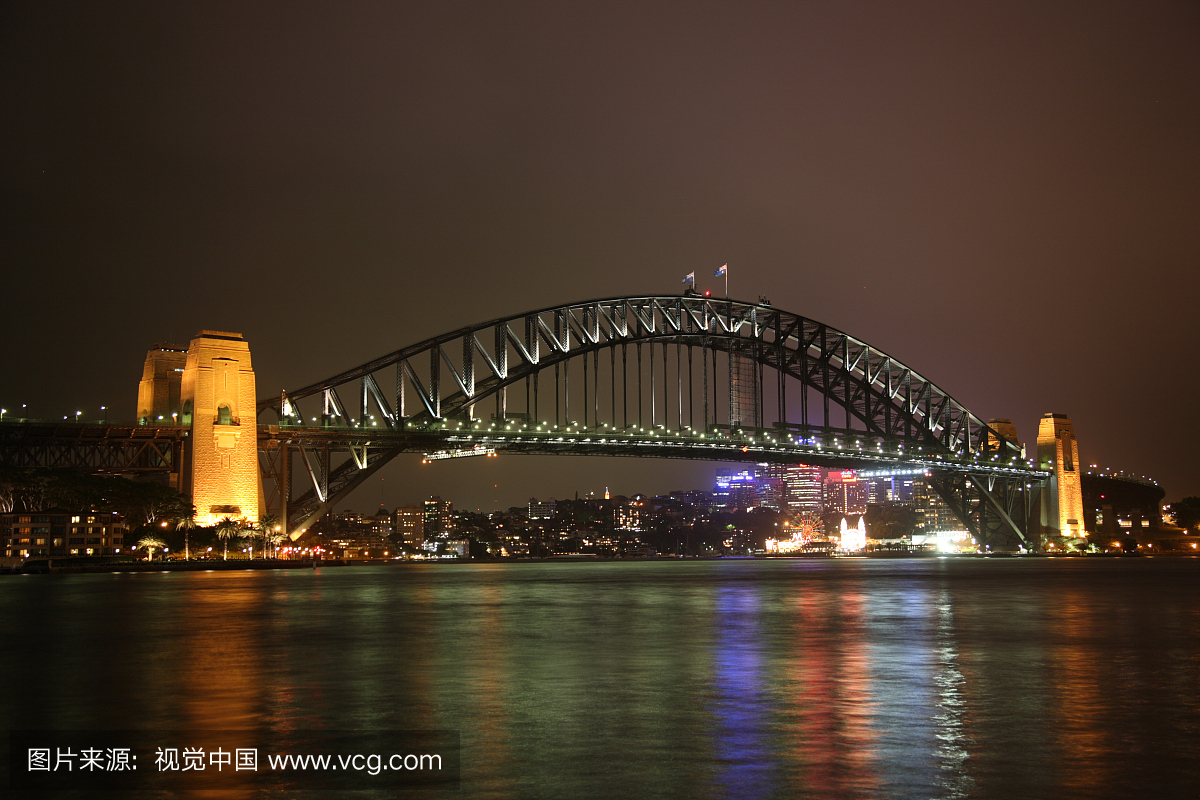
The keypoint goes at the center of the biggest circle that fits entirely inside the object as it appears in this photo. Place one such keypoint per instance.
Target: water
(1004, 678)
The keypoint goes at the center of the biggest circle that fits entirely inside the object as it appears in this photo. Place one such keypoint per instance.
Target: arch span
(744, 377)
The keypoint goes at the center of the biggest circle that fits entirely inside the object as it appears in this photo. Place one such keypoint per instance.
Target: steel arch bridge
(732, 381)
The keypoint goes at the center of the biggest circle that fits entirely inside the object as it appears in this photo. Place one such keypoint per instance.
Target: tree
(226, 529)
(1187, 512)
(890, 520)
(186, 522)
(276, 537)
(150, 543)
(268, 526)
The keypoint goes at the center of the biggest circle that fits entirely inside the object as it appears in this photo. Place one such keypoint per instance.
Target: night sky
(1006, 196)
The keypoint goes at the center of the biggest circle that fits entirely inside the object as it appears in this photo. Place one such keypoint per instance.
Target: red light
(707, 293)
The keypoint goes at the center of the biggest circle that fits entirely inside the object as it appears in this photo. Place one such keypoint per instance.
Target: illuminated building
(845, 493)
(57, 532)
(219, 403)
(439, 519)
(853, 539)
(933, 515)
(891, 489)
(1058, 452)
(791, 487)
(409, 523)
(735, 488)
(541, 509)
(629, 516)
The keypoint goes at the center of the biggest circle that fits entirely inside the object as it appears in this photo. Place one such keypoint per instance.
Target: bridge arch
(443, 382)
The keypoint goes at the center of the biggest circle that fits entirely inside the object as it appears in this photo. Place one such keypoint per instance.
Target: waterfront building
(890, 489)
(59, 532)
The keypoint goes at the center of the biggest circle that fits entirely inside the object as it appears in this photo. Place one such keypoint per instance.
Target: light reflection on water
(806, 678)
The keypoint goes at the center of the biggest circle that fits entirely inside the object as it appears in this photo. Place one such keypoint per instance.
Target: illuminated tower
(158, 392)
(1007, 430)
(1058, 452)
(218, 401)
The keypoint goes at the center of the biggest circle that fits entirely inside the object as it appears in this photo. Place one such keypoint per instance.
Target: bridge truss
(108, 448)
(662, 376)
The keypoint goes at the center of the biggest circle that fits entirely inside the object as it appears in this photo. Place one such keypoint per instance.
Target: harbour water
(824, 678)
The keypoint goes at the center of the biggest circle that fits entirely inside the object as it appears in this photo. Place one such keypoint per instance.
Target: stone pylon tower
(1058, 452)
(218, 402)
(158, 392)
(1006, 429)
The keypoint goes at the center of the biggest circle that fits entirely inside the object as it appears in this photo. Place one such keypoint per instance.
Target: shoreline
(44, 567)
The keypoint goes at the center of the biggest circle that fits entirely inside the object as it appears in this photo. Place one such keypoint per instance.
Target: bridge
(657, 376)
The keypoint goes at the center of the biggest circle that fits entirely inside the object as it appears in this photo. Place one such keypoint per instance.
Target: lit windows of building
(439, 517)
(410, 525)
(792, 487)
(845, 493)
(58, 532)
(933, 514)
(735, 488)
(541, 510)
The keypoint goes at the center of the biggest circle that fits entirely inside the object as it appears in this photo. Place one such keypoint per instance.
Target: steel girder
(447, 377)
(998, 510)
(113, 449)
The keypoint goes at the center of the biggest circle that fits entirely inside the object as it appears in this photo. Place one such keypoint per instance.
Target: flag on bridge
(690, 278)
(722, 271)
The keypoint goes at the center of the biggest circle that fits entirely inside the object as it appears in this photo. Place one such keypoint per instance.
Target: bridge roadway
(817, 447)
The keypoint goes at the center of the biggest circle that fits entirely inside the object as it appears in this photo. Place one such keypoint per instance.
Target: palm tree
(250, 532)
(226, 529)
(268, 525)
(150, 543)
(276, 537)
(186, 522)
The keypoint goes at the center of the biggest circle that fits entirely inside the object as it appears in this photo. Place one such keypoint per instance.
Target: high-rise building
(1058, 452)
(890, 489)
(735, 488)
(439, 519)
(933, 515)
(410, 524)
(845, 493)
(791, 487)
